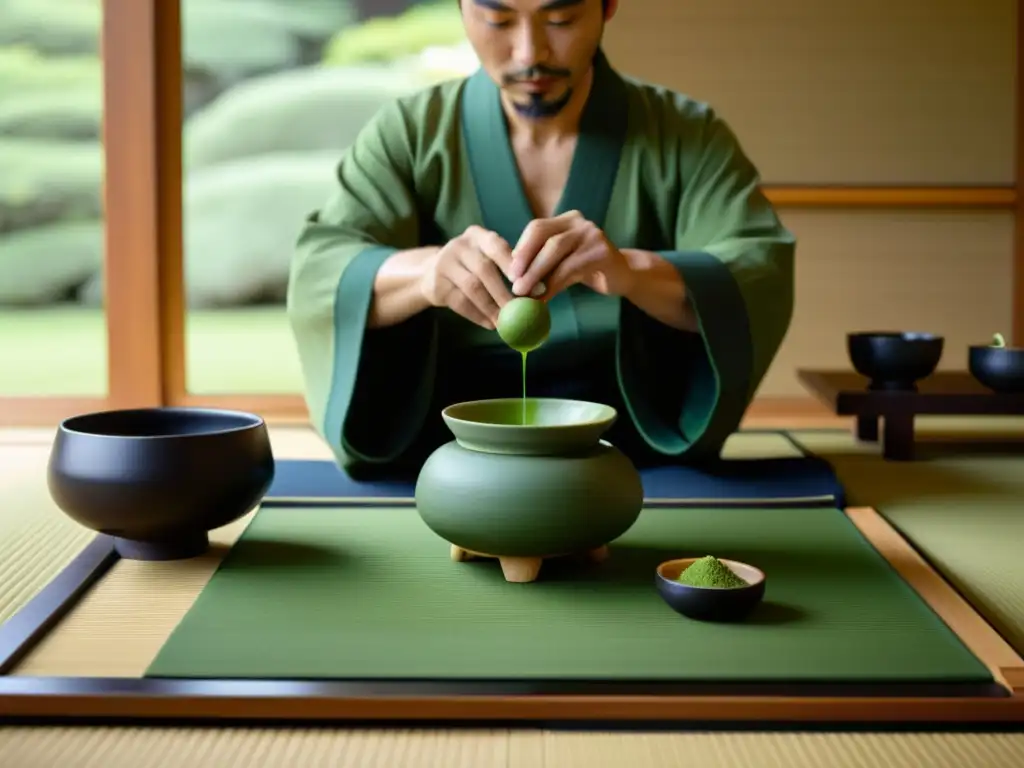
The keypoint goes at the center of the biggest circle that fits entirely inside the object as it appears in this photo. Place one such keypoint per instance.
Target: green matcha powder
(710, 572)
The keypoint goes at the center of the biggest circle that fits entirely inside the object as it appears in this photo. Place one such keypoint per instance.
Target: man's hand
(566, 250)
(465, 275)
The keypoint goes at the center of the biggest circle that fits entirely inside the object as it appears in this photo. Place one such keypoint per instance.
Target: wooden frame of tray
(944, 393)
(131, 700)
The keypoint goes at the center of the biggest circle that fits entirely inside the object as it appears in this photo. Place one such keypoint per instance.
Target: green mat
(372, 594)
(960, 504)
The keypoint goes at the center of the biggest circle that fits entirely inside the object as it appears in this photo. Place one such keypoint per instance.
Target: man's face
(537, 51)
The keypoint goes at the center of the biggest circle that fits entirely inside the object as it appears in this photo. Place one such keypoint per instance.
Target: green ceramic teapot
(526, 480)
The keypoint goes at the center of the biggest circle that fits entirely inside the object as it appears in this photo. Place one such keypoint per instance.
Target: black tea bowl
(710, 603)
(894, 360)
(1001, 369)
(160, 479)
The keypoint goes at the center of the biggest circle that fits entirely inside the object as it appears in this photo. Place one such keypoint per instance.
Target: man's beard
(537, 106)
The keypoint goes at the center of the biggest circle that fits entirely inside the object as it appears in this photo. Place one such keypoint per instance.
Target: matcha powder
(710, 572)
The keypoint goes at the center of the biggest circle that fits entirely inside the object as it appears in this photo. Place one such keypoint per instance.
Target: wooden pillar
(141, 47)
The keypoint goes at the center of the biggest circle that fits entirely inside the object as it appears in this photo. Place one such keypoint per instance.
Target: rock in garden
(45, 182)
(303, 109)
(74, 114)
(241, 222)
(48, 264)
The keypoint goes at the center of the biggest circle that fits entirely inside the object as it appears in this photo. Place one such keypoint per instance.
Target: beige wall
(875, 92)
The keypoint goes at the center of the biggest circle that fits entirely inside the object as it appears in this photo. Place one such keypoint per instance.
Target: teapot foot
(521, 570)
(460, 555)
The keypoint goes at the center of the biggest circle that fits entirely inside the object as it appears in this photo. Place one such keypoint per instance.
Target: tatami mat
(962, 506)
(970, 427)
(118, 627)
(260, 748)
(748, 445)
(746, 750)
(36, 539)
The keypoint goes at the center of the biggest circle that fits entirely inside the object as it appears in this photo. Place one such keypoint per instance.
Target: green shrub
(309, 19)
(23, 71)
(240, 225)
(52, 27)
(249, 31)
(234, 39)
(387, 39)
(48, 264)
(241, 222)
(57, 115)
(303, 109)
(90, 294)
(45, 182)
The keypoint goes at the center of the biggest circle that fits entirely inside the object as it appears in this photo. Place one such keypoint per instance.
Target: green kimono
(654, 169)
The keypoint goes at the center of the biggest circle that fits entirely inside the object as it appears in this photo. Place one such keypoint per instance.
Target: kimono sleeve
(368, 390)
(687, 392)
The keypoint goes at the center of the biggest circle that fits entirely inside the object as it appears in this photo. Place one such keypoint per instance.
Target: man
(668, 275)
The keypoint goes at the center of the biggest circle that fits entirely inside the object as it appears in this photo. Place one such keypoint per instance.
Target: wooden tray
(944, 393)
(28, 693)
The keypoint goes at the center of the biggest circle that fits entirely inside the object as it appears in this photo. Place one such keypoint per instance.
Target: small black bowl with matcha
(997, 366)
(709, 589)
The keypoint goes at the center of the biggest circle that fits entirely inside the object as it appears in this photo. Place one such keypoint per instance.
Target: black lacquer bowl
(894, 360)
(1001, 369)
(159, 479)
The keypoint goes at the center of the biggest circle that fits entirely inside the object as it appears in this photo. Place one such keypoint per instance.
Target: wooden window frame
(145, 306)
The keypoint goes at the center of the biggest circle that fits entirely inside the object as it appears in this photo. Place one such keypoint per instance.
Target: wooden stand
(522, 569)
(945, 393)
